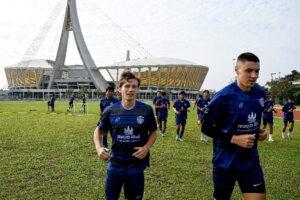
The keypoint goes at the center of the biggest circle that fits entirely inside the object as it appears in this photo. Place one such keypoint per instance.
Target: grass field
(52, 156)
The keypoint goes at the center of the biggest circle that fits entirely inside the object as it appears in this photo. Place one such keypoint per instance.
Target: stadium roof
(161, 61)
(37, 63)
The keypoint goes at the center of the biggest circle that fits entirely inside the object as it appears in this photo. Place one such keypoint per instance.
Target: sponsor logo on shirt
(252, 118)
(128, 136)
(128, 131)
(251, 126)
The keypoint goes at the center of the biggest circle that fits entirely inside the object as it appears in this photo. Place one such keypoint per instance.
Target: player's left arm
(195, 104)
(262, 135)
(144, 150)
(175, 108)
(152, 127)
(188, 106)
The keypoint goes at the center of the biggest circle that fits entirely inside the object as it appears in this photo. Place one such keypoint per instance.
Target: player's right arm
(174, 108)
(284, 108)
(102, 128)
(154, 101)
(195, 104)
(102, 152)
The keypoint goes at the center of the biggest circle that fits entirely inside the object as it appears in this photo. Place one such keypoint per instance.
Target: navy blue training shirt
(268, 109)
(52, 100)
(105, 102)
(234, 112)
(163, 112)
(156, 98)
(71, 100)
(84, 99)
(202, 103)
(288, 109)
(182, 107)
(128, 129)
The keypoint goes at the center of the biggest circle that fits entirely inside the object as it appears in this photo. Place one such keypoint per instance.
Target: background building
(38, 78)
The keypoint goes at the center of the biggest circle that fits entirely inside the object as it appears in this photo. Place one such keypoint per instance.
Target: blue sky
(210, 33)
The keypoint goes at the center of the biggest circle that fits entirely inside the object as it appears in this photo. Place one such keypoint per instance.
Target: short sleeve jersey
(182, 107)
(156, 98)
(268, 109)
(288, 110)
(84, 99)
(164, 110)
(52, 100)
(202, 103)
(105, 102)
(71, 100)
(128, 129)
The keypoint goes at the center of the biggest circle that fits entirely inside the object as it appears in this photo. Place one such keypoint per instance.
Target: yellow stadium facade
(165, 74)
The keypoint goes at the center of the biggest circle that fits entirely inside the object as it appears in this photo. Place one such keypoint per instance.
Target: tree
(82, 90)
(283, 87)
(69, 92)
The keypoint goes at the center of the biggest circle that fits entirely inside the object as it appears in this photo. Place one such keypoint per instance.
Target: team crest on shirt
(140, 119)
(251, 118)
(241, 105)
(262, 102)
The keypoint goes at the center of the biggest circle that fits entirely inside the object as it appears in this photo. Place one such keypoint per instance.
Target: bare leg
(271, 128)
(291, 127)
(254, 196)
(164, 126)
(283, 130)
(177, 131)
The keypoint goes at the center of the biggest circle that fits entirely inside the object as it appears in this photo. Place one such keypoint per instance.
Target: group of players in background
(182, 106)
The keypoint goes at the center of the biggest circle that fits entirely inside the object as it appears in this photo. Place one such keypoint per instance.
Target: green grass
(52, 156)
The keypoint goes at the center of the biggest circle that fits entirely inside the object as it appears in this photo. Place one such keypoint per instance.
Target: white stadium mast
(71, 23)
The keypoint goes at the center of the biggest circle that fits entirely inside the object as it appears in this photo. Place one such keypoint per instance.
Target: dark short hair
(291, 98)
(163, 94)
(110, 88)
(205, 91)
(247, 56)
(182, 92)
(126, 76)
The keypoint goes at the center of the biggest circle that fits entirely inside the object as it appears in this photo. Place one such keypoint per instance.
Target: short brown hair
(247, 56)
(126, 76)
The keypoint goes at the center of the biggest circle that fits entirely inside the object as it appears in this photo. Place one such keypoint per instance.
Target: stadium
(40, 77)
(155, 73)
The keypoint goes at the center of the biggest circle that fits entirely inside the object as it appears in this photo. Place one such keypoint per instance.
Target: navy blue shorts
(162, 117)
(133, 185)
(288, 120)
(180, 120)
(267, 120)
(156, 112)
(250, 181)
(199, 116)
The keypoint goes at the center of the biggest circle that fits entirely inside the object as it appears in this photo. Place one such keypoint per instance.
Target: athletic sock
(289, 135)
